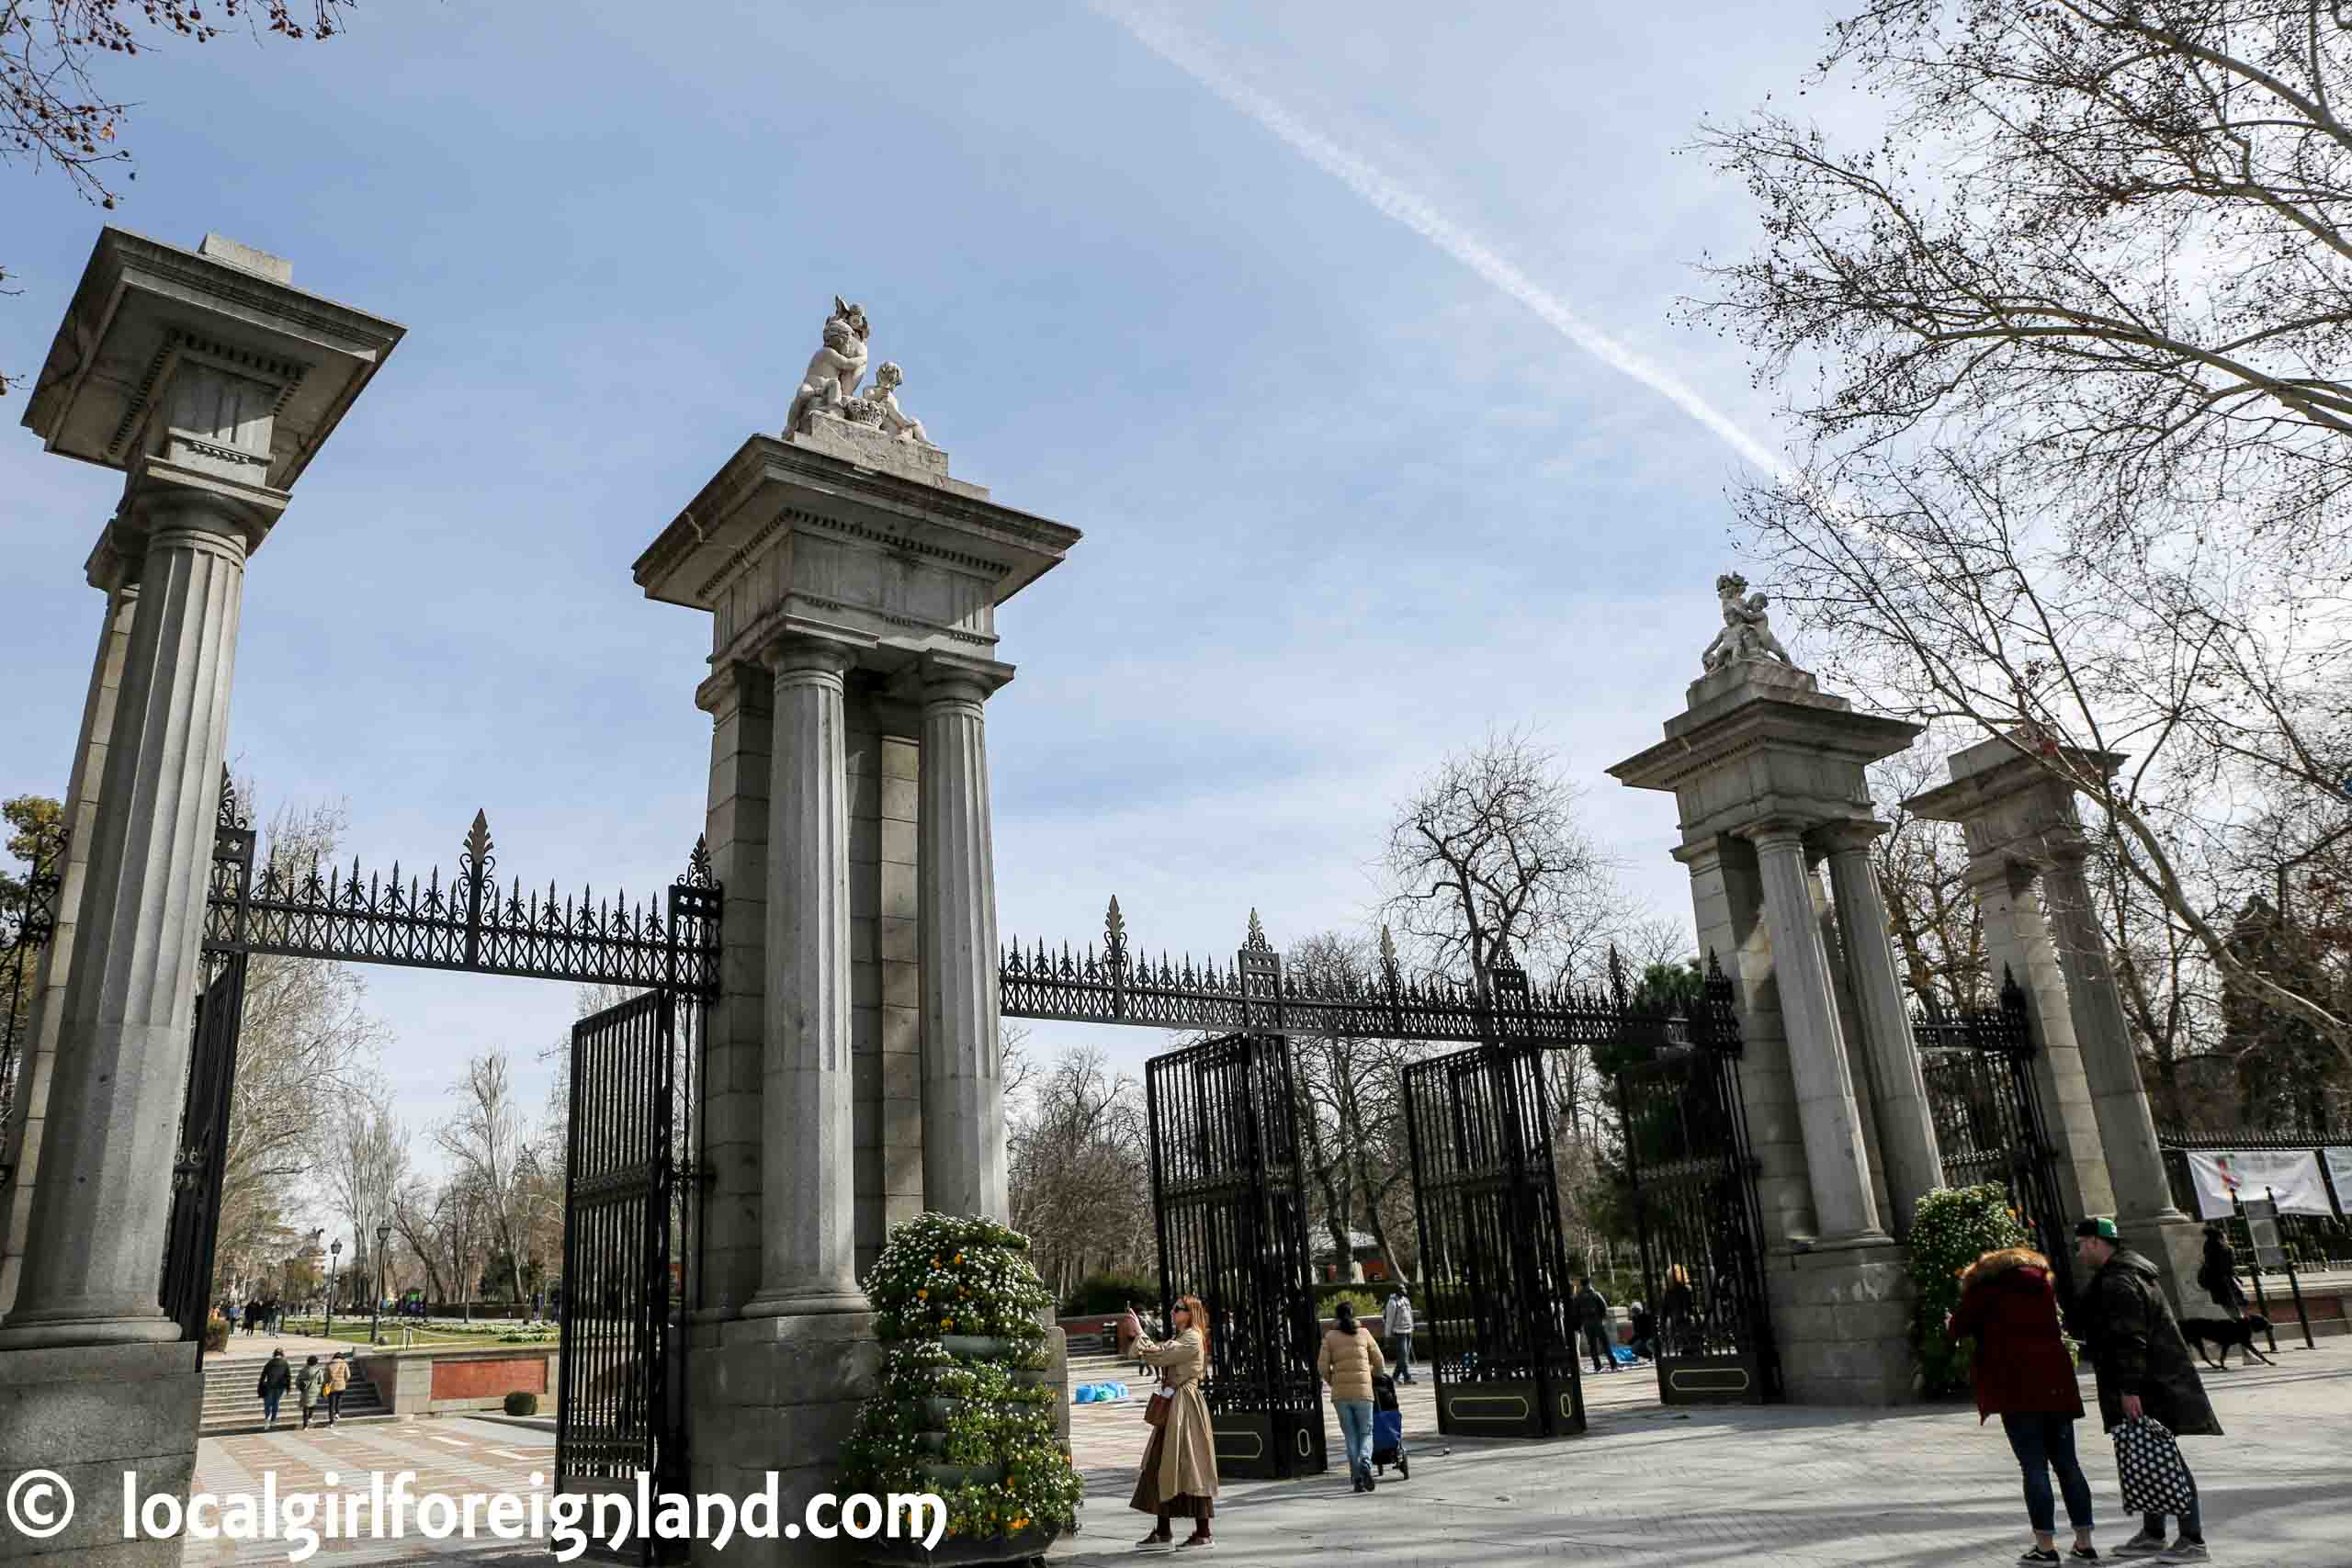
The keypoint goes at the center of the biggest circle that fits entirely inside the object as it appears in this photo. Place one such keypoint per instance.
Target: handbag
(1155, 1409)
(2147, 1462)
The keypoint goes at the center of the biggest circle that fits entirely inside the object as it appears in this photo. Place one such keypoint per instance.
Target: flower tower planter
(964, 1410)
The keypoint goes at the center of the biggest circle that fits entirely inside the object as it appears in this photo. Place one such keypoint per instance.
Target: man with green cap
(2143, 1367)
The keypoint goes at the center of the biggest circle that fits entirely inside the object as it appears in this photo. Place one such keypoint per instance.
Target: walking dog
(2226, 1332)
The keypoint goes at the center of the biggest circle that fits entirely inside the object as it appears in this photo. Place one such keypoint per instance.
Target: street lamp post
(383, 1241)
(334, 1256)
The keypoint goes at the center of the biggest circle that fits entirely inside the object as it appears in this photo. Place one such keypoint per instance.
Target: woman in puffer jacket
(2025, 1375)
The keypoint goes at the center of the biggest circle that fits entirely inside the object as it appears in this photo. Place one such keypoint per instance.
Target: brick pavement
(1784, 1488)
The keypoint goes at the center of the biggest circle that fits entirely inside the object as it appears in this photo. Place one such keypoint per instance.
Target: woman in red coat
(2024, 1375)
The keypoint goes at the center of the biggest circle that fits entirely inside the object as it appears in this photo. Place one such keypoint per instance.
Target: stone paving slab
(1779, 1487)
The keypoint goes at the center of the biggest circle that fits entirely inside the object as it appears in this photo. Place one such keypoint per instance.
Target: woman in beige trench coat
(1179, 1476)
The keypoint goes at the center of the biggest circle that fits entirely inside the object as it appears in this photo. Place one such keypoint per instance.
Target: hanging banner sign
(2339, 1170)
(2293, 1174)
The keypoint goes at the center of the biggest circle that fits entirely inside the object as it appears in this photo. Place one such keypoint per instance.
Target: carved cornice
(179, 345)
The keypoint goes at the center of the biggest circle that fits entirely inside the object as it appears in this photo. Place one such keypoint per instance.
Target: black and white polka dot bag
(2148, 1463)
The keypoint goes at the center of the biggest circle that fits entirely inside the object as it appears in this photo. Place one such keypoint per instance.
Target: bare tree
(306, 1045)
(484, 1139)
(2073, 473)
(365, 1161)
(1080, 1182)
(1487, 861)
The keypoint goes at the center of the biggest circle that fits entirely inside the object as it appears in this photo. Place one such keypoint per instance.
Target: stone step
(230, 1404)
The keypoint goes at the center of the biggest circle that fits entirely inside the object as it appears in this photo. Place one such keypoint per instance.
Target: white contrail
(1172, 44)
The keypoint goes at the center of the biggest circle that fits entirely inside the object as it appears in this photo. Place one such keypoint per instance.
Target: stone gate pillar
(20, 1143)
(849, 819)
(1769, 772)
(2026, 850)
(211, 383)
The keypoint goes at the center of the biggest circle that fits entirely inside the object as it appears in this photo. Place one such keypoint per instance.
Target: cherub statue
(888, 378)
(1747, 631)
(834, 370)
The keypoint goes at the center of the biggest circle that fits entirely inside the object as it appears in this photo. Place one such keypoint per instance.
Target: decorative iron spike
(1714, 970)
(1114, 928)
(1387, 949)
(1256, 940)
(698, 871)
(476, 857)
(232, 812)
(1616, 976)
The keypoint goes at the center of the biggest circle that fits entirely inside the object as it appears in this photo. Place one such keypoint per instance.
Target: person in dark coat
(2219, 1273)
(2143, 1367)
(2009, 1306)
(274, 1377)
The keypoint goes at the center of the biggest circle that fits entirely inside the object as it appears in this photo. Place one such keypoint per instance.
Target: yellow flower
(922, 1295)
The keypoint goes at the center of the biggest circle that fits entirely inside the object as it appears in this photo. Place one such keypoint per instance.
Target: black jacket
(275, 1375)
(1592, 1307)
(2135, 1346)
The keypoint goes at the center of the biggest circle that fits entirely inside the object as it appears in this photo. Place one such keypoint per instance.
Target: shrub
(521, 1404)
(1952, 1227)
(1110, 1293)
(216, 1334)
(941, 1276)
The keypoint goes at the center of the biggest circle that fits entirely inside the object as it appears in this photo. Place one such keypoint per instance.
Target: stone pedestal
(868, 581)
(90, 1414)
(1769, 772)
(776, 1394)
(2026, 851)
(209, 383)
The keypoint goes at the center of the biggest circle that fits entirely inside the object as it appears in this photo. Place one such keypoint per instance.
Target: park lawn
(356, 1331)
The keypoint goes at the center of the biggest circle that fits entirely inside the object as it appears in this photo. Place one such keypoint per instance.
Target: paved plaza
(1785, 1488)
(1781, 1487)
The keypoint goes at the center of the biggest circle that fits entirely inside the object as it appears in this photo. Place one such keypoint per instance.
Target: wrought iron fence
(1498, 1331)
(1231, 1208)
(616, 1409)
(1691, 1178)
(1981, 1097)
(467, 922)
(2312, 1241)
(1111, 983)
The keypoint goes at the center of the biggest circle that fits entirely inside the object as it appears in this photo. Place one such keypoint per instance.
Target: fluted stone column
(95, 1242)
(1907, 1128)
(1836, 1159)
(962, 1094)
(808, 1225)
(46, 1016)
(2110, 1066)
(2018, 940)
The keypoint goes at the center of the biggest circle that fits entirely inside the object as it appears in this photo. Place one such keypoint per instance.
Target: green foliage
(940, 1275)
(1952, 1228)
(1109, 1294)
(521, 1404)
(1367, 1299)
(216, 1334)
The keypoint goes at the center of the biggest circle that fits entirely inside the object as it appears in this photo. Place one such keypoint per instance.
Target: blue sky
(1346, 504)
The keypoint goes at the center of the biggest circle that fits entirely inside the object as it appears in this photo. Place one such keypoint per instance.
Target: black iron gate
(616, 1413)
(1229, 1201)
(1692, 1181)
(1987, 1111)
(1495, 1327)
(202, 1162)
(201, 1165)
